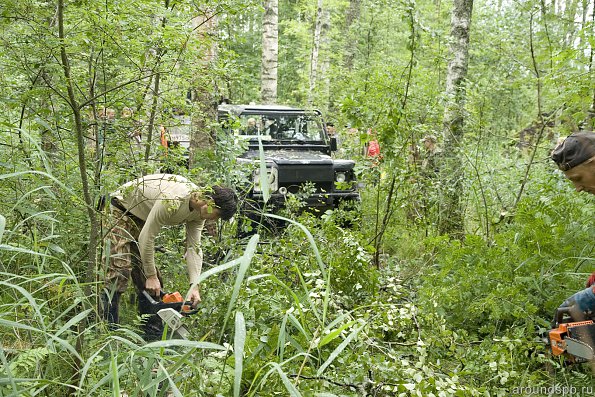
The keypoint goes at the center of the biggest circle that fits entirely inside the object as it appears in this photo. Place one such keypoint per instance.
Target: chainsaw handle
(560, 312)
(174, 305)
(150, 298)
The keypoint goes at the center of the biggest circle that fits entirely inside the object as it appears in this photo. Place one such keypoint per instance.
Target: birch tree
(351, 17)
(325, 62)
(451, 213)
(315, 52)
(270, 51)
(202, 94)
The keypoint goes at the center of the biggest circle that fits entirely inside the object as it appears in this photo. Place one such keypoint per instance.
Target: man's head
(225, 200)
(576, 157)
(330, 128)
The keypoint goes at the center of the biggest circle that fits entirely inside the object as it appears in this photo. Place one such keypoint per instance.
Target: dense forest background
(449, 276)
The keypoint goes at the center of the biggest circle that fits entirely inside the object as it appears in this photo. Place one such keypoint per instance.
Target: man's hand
(153, 286)
(194, 296)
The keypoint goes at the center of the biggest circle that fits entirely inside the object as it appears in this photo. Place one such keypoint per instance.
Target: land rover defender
(297, 150)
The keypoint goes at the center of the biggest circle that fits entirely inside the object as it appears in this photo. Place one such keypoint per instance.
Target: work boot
(151, 322)
(111, 309)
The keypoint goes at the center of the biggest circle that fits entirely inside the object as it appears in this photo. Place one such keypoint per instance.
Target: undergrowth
(283, 316)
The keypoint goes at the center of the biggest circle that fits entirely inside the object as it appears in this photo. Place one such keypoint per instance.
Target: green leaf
(333, 334)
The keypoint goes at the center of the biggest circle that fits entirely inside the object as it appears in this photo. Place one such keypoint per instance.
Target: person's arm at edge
(146, 245)
(194, 257)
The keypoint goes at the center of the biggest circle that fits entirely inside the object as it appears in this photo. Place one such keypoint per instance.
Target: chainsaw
(574, 340)
(171, 308)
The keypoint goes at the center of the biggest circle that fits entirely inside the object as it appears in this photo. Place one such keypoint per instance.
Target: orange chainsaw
(171, 308)
(575, 340)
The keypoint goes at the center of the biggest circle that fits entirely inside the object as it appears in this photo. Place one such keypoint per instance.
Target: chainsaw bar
(173, 319)
(579, 349)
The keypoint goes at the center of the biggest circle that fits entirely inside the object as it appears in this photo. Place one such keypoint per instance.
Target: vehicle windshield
(282, 128)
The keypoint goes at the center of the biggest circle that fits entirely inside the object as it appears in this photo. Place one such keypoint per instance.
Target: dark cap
(574, 150)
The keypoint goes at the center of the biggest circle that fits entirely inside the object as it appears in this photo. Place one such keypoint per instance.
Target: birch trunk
(325, 62)
(270, 51)
(451, 214)
(353, 14)
(315, 52)
(201, 138)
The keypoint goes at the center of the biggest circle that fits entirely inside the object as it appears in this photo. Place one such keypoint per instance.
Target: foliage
(434, 316)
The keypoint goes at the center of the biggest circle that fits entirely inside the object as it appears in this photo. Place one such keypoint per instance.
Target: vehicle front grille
(294, 176)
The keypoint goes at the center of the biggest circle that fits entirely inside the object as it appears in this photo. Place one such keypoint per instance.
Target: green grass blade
(88, 364)
(245, 263)
(73, 321)
(10, 248)
(7, 369)
(238, 351)
(291, 389)
(308, 236)
(338, 350)
(181, 343)
(299, 326)
(327, 295)
(67, 346)
(219, 269)
(115, 377)
(213, 271)
(264, 177)
(32, 303)
(2, 226)
(281, 338)
(328, 338)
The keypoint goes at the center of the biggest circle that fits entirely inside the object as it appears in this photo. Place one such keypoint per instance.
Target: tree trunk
(570, 22)
(270, 51)
(353, 14)
(155, 102)
(202, 94)
(325, 62)
(315, 52)
(451, 214)
(80, 140)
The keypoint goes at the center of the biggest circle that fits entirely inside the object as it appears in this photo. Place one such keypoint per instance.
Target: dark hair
(225, 199)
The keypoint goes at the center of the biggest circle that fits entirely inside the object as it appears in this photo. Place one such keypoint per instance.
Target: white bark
(457, 67)
(451, 215)
(200, 138)
(353, 14)
(326, 60)
(315, 52)
(270, 51)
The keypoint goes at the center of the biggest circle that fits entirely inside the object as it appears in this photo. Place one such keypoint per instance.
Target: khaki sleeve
(146, 240)
(193, 250)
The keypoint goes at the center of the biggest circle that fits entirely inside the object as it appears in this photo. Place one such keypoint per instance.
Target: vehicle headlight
(340, 177)
(272, 179)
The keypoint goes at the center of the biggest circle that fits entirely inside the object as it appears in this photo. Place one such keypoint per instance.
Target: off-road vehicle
(297, 150)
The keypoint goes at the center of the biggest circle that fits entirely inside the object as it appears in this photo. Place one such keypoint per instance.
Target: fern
(27, 362)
